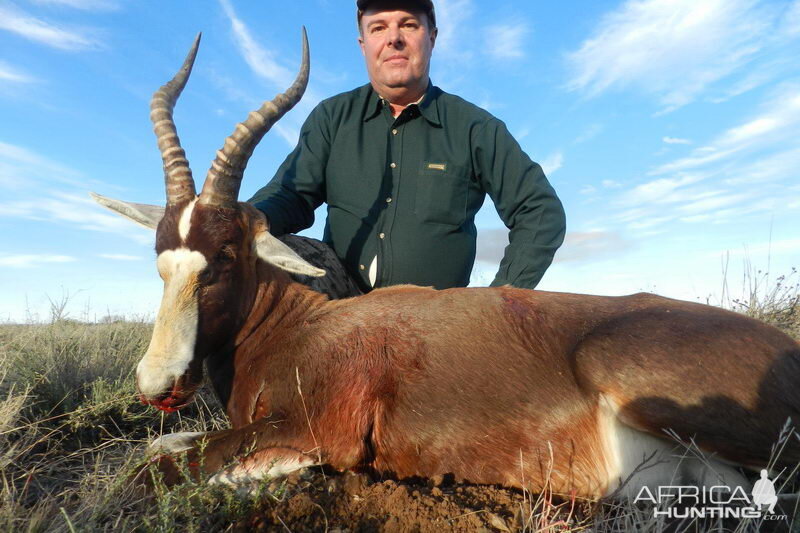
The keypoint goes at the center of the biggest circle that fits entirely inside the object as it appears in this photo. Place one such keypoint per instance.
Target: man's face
(397, 46)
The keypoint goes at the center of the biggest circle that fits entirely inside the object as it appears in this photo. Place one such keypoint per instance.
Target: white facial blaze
(185, 222)
(172, 345)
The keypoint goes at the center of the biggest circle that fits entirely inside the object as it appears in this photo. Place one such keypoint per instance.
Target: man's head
(397, 39)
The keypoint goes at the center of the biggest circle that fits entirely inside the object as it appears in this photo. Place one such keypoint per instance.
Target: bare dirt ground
(319, 501)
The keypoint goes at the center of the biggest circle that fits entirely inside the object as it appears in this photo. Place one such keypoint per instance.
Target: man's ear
(434, 35)
(274, 252)
(146, 215)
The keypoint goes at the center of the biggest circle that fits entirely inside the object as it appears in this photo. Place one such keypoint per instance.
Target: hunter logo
(719, 501)
(437, 166)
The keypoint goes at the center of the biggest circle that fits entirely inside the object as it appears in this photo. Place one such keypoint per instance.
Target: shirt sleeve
(298, 187)
(525, 201)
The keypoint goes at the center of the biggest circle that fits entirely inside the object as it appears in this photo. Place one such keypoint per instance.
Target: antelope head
(207, 245)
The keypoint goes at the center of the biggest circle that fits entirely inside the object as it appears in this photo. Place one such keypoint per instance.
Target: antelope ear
(274, 252)
(146, 215)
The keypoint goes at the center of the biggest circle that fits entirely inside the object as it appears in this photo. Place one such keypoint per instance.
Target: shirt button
(394, 132)
(382, 235)
(388, 200)
(362, 267)
(393, 165)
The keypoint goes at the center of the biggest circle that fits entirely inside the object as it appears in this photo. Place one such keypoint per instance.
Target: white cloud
(28, 182)
(264, 63)
(85, 5)
(76, 209)
(611, 184)
(590, 246)
(29, 260)
(451, 16)
(13, 75)
(662, 190)
(746, 170)
(552, 163)
(588, 189)
(673, 49)
(777, 123)
(505, 41)
(259, 59)
(785, 245)
(22, 169)
(589, 133)
(34, 29)
(121, 257)
(676, 140)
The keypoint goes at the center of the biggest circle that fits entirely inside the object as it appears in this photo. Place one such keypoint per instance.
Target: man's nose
(394, 37)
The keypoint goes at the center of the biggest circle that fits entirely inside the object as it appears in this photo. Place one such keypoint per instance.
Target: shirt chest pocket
(442, 191)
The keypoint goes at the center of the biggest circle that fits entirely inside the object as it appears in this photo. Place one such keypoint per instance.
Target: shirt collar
(427, 104)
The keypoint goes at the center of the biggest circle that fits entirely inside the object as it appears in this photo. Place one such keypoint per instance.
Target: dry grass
(71, 434)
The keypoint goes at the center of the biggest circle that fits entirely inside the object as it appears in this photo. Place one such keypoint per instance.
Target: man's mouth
(395, 60)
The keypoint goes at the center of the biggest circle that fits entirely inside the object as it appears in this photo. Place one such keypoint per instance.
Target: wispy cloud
(591, 246)
(29, 260)
(676, 140)
(261, 61)
(591, 131)
(264, 64)
(23, 169)
(505, 41)
(745, 170)
(73, 208)
(85, 5)
(16, 21)
(778, 122)
(37, 188)
(13, 75)
(451, 16)
(578, 246)
(552, 163)
(121, 257)
(673, 49)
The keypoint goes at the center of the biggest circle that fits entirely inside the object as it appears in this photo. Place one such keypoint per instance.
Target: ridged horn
(224, 178)
(177, 174)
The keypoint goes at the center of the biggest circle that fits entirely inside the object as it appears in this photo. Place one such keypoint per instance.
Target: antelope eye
(224, 257)
(206, 276)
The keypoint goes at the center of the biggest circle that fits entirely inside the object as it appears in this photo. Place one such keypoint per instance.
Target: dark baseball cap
(425, 5)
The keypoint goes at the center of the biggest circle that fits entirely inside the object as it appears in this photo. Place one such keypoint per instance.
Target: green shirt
(406, 190)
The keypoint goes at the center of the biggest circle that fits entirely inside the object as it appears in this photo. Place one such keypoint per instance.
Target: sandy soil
(316, 501)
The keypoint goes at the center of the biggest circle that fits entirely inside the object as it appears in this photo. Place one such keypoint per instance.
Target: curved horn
(225, 175)
(177, 174)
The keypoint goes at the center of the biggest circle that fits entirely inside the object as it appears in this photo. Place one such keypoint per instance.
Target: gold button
(362, 267)
(393, 165)
(394, 132)
(382, 235)
(388, 200)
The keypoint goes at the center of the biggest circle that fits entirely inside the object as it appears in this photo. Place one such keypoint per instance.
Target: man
(404, 167)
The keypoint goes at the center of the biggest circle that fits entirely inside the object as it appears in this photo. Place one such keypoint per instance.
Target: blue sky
(669, 129)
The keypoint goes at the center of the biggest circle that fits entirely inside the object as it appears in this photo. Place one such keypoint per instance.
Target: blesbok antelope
(494, 385)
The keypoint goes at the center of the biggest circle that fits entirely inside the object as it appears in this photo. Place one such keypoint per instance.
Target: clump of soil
(348, 502)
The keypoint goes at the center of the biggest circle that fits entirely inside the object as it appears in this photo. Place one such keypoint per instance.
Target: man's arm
(525, 201)
(298, 187)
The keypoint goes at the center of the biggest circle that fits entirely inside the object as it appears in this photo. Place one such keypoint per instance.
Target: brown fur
(493, 385)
